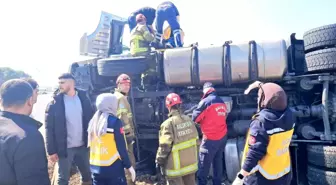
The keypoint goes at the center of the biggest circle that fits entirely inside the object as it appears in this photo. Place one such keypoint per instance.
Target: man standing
(177, 152)
(35, 87)
(66, 121)
(23, 157)
(211, 114)
(125, 114)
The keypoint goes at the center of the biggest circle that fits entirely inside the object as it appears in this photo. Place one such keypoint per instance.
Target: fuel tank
(225, 64)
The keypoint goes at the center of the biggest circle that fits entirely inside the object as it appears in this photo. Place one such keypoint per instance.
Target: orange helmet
(172, 99)
(123, 78)
(140, 18)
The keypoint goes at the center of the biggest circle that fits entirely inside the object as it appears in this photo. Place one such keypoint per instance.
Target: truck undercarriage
(306, 69)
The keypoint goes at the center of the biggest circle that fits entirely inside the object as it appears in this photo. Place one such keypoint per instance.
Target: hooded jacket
(55, 123)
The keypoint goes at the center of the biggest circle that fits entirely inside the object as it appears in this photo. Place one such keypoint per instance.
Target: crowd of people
(100, 143)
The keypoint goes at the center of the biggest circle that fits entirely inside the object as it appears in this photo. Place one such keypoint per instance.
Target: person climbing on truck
(108, 151)
(141, 37)
(266, 158)
(168, 36)
(148, 12)
(211, 114)
(125, 114)
(177, 153)
(167, 11)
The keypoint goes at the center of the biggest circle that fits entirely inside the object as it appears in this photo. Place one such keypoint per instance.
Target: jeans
(211, 151)
(80, 155)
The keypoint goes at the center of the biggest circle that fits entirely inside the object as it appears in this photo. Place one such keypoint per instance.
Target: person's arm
(258, 142)
(123, 115)
(50, 129)
(30, 161)
(146, 33)
(166, 139)
(121, 144)
(198, 113)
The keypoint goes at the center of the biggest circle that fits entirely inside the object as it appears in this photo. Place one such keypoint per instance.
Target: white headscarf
(106, 104)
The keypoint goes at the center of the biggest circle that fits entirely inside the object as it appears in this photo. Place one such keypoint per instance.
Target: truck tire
(321, 60)
(232, 157)
(320, 38)
(318, 176)
(118, 65)
(324, 156)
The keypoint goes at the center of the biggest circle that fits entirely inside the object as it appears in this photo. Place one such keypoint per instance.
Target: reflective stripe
(110, 129)
(178, 171)
(126, 127)
(276, 130)
(123, 110)
(104, 163)
(269, 176)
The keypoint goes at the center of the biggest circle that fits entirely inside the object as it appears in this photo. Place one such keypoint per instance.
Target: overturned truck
(306, 69)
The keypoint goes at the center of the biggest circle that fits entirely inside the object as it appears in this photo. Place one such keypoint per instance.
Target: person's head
(208, 88)
(66, 83)
(140, 18)
(108, 103)
(173, 101)
(16, 96)
(35, 87)
(124, 83)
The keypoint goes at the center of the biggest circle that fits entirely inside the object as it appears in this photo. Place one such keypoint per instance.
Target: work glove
(238, 181)
(132, 171)
(252, 86)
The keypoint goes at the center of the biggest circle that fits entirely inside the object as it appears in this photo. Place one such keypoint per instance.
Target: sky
(41, 37)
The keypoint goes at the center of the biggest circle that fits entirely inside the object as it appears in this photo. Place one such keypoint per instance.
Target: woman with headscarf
(266, 158)
(108, 150)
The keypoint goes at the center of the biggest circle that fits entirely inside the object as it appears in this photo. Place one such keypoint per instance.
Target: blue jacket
(167, 5)
(265, 120)
(23, 157)
(117, 168)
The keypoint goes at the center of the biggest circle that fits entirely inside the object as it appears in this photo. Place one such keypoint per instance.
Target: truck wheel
(233, 155)
(321, 60)
(324, 156)
(318, 176)
(319, 38)
(117, 65)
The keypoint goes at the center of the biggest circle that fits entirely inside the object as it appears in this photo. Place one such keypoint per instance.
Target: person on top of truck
(108, 151)
(266, 158)
(177, 152)
(168, 36)
(167, 11)
(211, 114)
(141, 37)
(148, 12)
(124, 113)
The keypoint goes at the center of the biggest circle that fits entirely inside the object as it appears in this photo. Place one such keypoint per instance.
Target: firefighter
(125, 114)
(266, 157)
(167, 11)
(141, 37)
(177, 152)
(211, 114)
(108, 151)
(148, 12)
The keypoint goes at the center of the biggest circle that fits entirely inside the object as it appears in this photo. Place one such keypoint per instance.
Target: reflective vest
(103, 150)
(138, 43)
(183, 158)
(124, 113)
(276, 163)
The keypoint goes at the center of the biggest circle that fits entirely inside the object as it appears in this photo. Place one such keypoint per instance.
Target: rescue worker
(148, 12)
(168, 36)
(108, 151)
(266, 158)
(125, 114)
(211, 114)
(141, 37)
(167, 11)
(177, 152)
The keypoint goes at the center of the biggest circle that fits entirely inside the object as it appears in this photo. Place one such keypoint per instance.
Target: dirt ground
(75, 177)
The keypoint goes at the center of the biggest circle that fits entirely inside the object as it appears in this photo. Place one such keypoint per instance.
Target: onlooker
(23, 157)
(66, 120)
(35, 87)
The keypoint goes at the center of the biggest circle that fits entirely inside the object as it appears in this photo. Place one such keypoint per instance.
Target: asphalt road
(39, 108)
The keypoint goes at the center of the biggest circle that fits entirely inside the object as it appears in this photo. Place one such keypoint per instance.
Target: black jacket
(55, 123)
(23, 157)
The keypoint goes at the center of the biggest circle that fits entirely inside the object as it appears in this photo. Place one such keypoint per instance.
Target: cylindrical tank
(225, 64)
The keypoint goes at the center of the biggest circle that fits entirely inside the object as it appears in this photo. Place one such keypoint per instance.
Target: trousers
(184, 180)
(132, 159)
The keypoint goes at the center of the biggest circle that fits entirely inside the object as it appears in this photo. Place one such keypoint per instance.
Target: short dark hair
(15, 92)
(66, 76)
(31, 82)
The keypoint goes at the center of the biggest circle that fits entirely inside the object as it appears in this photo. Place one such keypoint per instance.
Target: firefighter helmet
(272, 96)
(172, 99)
(123, 78)
(140, 18)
